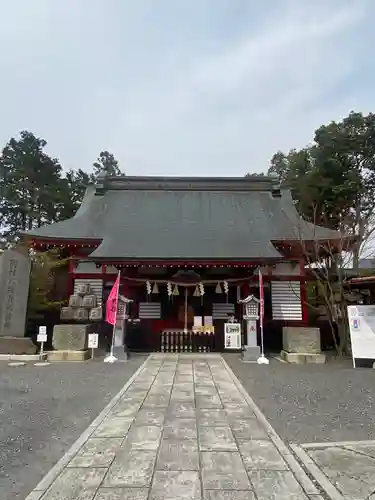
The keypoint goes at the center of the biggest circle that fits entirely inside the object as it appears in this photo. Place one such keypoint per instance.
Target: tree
(333, 180)
(348, 148)
(30, 184)
(106, 163)
(44, 266)
(74, 186)
(327, 260)
(255, 174)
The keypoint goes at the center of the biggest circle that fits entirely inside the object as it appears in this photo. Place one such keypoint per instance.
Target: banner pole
(111, 358)
(262, 360)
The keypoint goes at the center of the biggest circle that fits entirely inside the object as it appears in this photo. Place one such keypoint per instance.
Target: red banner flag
(112, 301)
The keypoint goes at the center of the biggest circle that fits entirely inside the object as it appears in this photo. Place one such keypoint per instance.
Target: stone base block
(120, 353)
(251, 354)
(71, 337)
(300, 358)
(68, 355)
(17, 345)
(23, 357)
(301, 340)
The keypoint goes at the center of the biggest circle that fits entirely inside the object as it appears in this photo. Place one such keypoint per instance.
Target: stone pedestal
(120, 353)
(68, 355)
(251, 351)
(303, 358)
(301, 345)
(17, 346)
(119, 344)
(250, 354)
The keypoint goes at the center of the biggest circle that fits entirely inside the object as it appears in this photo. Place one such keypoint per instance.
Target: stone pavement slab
(346, 469)
(183, 429)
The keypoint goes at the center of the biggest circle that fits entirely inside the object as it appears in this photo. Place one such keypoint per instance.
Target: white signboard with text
(42, 334)
(362, 331)
(93, 340)
(232, 335)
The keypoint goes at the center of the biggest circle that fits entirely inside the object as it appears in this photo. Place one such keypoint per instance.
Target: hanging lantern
(155, 288)
(169, 288)
(201, 289)
(196, 292)
(148, 286)
(175, 290)
(218, 288)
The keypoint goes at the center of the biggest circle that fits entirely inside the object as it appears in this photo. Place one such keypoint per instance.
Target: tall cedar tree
(30, 186)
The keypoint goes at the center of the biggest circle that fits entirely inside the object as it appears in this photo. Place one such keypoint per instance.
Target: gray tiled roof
(171, 218)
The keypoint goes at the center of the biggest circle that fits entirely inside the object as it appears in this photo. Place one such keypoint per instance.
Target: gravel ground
(312, 403)
(43, 410)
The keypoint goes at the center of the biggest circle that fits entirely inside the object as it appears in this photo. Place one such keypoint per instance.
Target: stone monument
(70, 340)
(14, 293)
(301, 345)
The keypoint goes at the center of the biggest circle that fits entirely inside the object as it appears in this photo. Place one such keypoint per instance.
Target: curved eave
(361, 281)
(64, 242)
(184, 262)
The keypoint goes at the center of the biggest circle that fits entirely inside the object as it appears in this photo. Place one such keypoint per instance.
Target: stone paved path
(184, 429)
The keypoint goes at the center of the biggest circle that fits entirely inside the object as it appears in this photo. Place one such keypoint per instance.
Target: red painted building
(177, 234)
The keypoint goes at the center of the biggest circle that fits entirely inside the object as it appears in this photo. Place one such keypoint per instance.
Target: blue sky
(172, 87)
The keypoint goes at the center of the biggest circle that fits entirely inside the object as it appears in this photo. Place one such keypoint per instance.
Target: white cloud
(177, 92)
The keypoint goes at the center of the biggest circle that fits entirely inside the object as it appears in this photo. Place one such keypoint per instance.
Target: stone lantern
(251, 307)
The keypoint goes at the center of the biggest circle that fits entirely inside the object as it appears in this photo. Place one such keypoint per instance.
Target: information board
(232, 335)
(362, 331)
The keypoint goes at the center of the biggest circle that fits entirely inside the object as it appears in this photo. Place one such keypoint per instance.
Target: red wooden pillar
(245, 289)
(304, 297)
(71, 267)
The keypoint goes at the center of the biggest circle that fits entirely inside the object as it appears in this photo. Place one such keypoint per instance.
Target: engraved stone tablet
(96, 314)
(81, 314)
(70, 337)
(66, 313)
(75, 301)
(14, 291)
(89, 301)
(83, 289)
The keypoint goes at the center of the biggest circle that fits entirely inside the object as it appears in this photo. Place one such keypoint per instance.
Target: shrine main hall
(189, 248)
